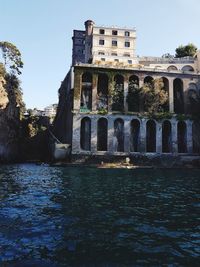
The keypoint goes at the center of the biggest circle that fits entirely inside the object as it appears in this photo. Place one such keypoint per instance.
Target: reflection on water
(96, 217)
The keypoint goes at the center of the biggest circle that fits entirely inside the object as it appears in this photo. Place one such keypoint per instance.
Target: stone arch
(85, 138)
(166, 137)
(172, 68)
(151, 136)
(178, 96)
(118, 96)
(182, 137)
(135, 135)
(193, 98)
(119, 135)
(86, 91)
(102, 134)
(166, 88)
(102, 91)
(133, 98)
(196, 136)
(187, 68)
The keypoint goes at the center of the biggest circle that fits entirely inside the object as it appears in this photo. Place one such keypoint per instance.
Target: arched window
(178, 96)
(86, 92)
(172, 68)
(196, 136)
(166, 137)
(133, 98)
(86, 134)
(118, 135)
(151, 136)
(118, 93)
(102, 133)
(187, 68)
(135, 136)
(102, 92)
(182, 137)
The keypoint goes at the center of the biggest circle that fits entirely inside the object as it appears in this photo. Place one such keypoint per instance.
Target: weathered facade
(96, 127)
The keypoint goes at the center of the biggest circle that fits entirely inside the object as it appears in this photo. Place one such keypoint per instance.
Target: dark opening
(151, 136)
(102, 92)
(134, 137)
(86, 134)
(133, 98)
(166, 137)
(118, 93)
(119, 135)
(196, 136)
(102, 133)
(182, 137)
(178, 96)
(86, 91)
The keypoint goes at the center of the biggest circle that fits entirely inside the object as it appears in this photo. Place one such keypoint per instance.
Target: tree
(154, 96)
(12, 57)
(187, 50)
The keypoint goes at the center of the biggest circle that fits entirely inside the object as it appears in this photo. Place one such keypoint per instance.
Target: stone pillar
(76, 133)
(174, 136)
(126, 78)
(127, 135)
(189, 136)
(158, 137)
(94, 91)
(110, 135)
(141, 83)
(93, 134)
(143, 135)
(171, 95)
(77, 90)
(110, 88)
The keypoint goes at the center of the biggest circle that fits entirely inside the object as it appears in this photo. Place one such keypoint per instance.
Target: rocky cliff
(10, 124)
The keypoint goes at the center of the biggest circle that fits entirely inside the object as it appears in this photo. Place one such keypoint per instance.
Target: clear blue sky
(42, 30)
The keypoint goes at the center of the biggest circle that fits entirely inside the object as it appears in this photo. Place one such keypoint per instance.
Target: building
(104, 58)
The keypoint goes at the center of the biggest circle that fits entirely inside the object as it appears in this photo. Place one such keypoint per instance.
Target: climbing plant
(133, 97)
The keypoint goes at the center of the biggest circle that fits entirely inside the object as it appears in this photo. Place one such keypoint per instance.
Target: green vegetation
(187, 50)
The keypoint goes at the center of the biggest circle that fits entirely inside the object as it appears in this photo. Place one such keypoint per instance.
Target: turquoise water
(78, 216)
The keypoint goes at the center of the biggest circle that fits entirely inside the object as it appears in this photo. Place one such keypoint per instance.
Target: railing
(167, 60)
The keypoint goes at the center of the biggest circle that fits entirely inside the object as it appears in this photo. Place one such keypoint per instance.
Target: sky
(42, 31)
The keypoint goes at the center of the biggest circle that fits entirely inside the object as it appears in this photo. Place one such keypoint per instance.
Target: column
(126, 135)
(110, 135)
(189, 136)
(93, 134)
(174, 136)
(171, 95)
(110, 88)
(126, 78)
(76, 133)
(94, 91)
(185, 95)
(158, 137)
(143, 135)
(141, 83)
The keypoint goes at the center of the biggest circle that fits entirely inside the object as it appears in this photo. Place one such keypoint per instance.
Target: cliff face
(10, 101)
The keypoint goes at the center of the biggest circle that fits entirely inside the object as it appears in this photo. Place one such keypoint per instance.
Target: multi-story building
(103, 59)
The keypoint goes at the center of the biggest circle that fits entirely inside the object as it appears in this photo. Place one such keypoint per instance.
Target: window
(114, 32)
(116, 60)
(127, 33)
(114, 43)
(103, 59)
(101, 42)
(126, 55)
(129, 61)
(113, 54)
(101, 31)
(127, 44)
(101, 53)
